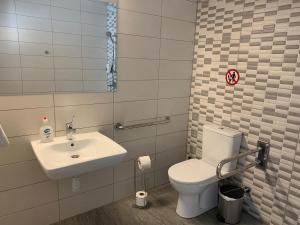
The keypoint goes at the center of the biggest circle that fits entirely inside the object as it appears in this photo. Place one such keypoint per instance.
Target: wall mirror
(57, 46)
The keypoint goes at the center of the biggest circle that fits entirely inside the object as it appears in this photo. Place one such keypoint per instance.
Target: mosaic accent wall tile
(261, 39)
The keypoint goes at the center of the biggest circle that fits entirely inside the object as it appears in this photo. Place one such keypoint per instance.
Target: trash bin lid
(232, 191)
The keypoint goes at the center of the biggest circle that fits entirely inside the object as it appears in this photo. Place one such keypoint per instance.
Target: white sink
(86, 152)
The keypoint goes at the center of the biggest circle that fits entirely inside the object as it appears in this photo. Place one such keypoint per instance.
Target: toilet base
(189, 205)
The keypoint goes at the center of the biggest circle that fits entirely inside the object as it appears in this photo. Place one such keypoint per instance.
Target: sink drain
(75, 156)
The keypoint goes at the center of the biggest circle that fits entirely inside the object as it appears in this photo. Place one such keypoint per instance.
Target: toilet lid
(193, 171)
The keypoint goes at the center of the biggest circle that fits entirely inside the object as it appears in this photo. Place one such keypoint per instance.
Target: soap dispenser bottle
(46, 131)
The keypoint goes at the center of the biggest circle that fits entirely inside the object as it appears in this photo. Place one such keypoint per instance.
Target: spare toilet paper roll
(144, 162)
(3, 138)
(141, 198)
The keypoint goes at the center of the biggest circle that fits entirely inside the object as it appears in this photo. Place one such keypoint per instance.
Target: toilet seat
(193, 171)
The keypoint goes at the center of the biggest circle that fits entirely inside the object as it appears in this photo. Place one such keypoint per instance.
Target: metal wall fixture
(120, 126)
(263, 148)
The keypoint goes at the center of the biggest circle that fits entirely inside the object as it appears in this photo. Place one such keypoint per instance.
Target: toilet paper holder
(141, 196)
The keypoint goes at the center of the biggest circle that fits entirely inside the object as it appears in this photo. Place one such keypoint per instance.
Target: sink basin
(85, 153)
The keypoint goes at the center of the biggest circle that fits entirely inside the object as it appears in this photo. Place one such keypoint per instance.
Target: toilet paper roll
(141, 198)
(144, 162)
(3, 138)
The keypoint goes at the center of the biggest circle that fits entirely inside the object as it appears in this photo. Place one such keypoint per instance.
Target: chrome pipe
(228, 160)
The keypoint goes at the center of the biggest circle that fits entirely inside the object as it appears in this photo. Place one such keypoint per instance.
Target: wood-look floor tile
(160, 212)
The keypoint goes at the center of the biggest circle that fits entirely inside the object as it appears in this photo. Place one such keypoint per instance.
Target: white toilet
(195, 179)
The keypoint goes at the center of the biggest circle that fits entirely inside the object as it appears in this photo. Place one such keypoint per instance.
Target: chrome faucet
(70, 130)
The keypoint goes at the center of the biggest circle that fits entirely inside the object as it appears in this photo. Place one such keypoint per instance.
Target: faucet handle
(69, 125)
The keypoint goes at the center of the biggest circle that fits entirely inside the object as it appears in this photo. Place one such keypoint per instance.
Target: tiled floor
(161, 212)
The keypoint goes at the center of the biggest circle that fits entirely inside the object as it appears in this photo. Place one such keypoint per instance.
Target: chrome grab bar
(120, 126)
(263, 147)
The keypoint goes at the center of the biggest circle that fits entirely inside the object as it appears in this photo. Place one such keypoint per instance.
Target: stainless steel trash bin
(230, 203)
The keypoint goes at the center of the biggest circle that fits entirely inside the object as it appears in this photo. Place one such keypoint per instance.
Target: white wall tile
(176, 50)
(35, 49)
(42, 62)
(93, 30)
(68, 74)
(94, 86)
(92, 52)
(31, 9)
(92, 18)
(9, 47)
(88, 182)
(168, 158)
(8, 20)
(25, 122)
(84, 98)
(136, 90)
(138, 47)
(136, 148)
(178, 30)
(138, 23)
(66, 39)
(10, 87)
(184, 10)
(174, 88)
(9, 60)
(68, 86)
(21, 174)
(27, 197)
(124, 170)
(68, 51)
(34, 23)
(35, 36)
(98, 7)
(10, 73)
(45, 214)
(67, 63)
(62, 14)
(139, 110)
(177, 123)
(43, 2)
(161, 176)
(146, 6)
(37, 74)
(98, 114)
(27, 101)
(7, 6)
(19, 150)
(38, 87)
(69, 4)
(173, 106)
(169, 142)
(169, 69)
(90, 41)
(137, 69)
(93, 64)
(8, 34)
(84, 202)
(66, 27)
(94, 75)
(123, 189)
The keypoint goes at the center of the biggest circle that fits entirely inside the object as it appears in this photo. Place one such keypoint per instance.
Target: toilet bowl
(195, 179)
(197, 190)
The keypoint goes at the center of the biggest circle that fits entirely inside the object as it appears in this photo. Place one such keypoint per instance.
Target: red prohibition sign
(232, 77)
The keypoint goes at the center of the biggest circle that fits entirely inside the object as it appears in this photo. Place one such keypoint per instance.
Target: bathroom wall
(261, 39)
(155, 51)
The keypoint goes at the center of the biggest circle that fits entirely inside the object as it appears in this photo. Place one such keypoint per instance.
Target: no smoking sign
(232, 77)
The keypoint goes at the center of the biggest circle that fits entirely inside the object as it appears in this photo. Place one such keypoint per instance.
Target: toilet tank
(218, 143)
